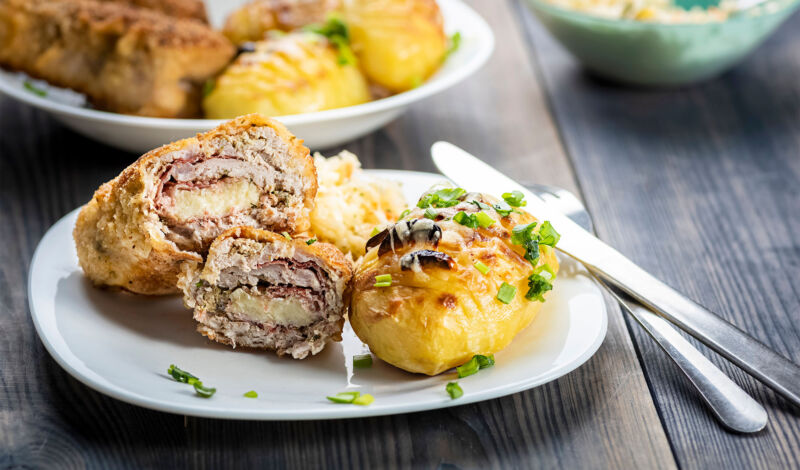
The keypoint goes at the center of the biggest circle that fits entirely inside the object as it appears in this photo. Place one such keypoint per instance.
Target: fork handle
(774, 370)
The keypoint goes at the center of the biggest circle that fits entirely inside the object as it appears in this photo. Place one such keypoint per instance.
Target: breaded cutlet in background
(124, 59)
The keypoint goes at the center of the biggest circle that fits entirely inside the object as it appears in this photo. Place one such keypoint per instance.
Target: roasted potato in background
(252, 21)
(446, 301)
(399, 43)
(290, 74)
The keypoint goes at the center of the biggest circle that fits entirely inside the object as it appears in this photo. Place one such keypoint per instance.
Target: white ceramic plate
(121, 345)
(319, 130)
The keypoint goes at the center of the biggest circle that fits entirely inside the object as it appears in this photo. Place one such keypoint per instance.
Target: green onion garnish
(364, 400)
(382, 284)
(362, 361)
(336, 31)
(251, 394)
(430, 213)
(485, 361)
(199, 284)
(515, 198)
(484, 220)
(537, 286)
(344, 397)
(506, 293)
(402, 216)
(503, 209)
(481, 267)
(383, 278)
(481, 205)
(311, 241)
(468, 368)
(374, 232)
(286, 235)
(180, 375)
(453, 44)
(454, 390)
(548, 235)
(467, 220)
(208, 87)
(34, 89)
(446, 197)
(205, 392)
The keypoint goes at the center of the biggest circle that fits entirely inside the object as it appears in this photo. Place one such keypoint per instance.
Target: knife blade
(777, 372)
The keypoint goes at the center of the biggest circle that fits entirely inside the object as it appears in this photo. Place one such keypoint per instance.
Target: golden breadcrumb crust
(119, 237)
(124, 59)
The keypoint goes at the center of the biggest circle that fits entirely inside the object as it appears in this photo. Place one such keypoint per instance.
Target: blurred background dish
(320, 129)
(658, 45)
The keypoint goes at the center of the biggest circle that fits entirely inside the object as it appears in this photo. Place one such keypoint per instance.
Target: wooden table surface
(700, 186)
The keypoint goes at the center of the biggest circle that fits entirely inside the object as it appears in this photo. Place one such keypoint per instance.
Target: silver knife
(774, 370)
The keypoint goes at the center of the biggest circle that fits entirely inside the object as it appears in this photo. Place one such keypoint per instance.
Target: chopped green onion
(506, 293)
(383, 278)
(336, 31)
(208, 87)
(199, 284)
(344, 397)
(286, 235)
(311, 241)
(364, 400)
(454, 390)
(503, 209)
(180, 375)
(430, 213)
(375, 231)
(481, 205)
(467, 220)
(446, 197)
(481, 267)
(251, 394)
(34, 89)
(454, 42)
(548, 235)
(484, 220)
(522, 233)
(205, 392)
(468, 368)
(485, 361)
(403, 215)
(515, 198)
(537, 286)
(382, 284)
(362, 361)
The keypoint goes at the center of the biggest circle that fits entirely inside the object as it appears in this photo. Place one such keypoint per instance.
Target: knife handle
(779, 373)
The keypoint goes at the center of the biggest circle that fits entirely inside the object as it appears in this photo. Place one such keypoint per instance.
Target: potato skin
(253, 20)
(399, 43)
(291, 74)
(431, 321)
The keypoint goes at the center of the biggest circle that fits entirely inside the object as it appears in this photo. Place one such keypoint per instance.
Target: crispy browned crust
(119, 237)
(332, 256)
(254, 19)
(187, 9)
(125, 59)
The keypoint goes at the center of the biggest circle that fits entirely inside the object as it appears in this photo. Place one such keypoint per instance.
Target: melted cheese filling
(288, 311)
(227, 196)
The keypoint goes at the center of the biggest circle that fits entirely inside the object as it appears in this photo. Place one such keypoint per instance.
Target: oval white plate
(121, 345)
(320, 130)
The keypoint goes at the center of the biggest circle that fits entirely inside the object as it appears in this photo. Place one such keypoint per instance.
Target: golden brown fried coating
(126, 237)
(126, 60)
(253, 20)
(188, 9)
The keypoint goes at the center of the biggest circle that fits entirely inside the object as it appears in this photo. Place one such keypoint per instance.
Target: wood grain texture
(600, 416)
(701, 187)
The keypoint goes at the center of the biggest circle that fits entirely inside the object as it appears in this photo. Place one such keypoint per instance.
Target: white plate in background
(121, 345)
(319, 130)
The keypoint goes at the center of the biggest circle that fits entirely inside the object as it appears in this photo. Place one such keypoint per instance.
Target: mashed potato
(350, 204)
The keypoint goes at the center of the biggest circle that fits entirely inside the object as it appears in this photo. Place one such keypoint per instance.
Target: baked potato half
(252, 21)
(459, 276)
(399, 43)
(295, 73)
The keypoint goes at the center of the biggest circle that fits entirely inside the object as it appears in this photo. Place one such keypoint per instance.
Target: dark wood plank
(700, 186)
(600, 416)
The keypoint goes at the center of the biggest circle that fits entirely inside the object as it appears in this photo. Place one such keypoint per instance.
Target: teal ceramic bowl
(658, 54)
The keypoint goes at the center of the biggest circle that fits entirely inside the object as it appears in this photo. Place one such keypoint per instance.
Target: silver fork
(731, 405)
